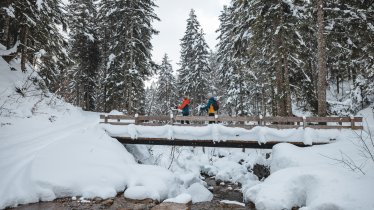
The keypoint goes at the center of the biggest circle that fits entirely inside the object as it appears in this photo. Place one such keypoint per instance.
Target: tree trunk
(286, 87)
(6, 31)
(322, 83)
(24, 34)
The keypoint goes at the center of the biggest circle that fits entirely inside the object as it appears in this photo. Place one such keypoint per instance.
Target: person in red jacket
(185, 107)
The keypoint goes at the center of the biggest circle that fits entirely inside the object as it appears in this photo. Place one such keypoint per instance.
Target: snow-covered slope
(50, 149)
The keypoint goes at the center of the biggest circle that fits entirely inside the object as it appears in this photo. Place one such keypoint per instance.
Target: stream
(220, 190)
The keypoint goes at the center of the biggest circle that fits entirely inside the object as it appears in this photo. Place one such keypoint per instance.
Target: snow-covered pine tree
(127, 52)
(84, 52)
(194, 64)
(232, 56)
(350, 33)
(166, 90)
(33, 28)
(152, 107)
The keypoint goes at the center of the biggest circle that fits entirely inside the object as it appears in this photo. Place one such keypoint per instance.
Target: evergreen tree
(194, 62)
(166, 90)
(127, 52)
(32, 27)
(84, 52)
(234, 73)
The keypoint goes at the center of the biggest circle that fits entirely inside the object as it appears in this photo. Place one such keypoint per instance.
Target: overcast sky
(173, 15)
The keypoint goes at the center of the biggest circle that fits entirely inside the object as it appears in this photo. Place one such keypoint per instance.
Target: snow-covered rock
(182, 198)
(199, 193)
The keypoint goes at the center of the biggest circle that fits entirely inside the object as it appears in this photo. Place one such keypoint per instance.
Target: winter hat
(210, 95)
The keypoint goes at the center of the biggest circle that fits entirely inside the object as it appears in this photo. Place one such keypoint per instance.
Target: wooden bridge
(249, 122)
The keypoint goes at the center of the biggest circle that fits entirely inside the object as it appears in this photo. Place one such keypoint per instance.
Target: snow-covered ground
(50, 149)
(320, 177)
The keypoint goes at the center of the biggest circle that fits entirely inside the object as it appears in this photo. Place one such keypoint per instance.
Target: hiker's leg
(184, 114)
(211, 115)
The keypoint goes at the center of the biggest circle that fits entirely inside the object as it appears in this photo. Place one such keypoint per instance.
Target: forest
(272, 56)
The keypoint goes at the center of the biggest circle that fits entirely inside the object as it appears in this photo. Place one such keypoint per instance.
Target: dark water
(221, 191)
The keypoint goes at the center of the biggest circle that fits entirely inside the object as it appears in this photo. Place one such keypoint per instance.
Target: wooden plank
(334, 127)
(283, 126)
(115, 117)
(333, 119)
(117, 123)
(195, 118)
(239, 119)
(282, 119)
(156, 118)
(208, 143)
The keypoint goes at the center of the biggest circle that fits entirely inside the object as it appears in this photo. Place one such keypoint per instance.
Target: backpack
(215, 105)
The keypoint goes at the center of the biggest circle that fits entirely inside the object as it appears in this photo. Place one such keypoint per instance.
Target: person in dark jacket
(185, 107)
(209, 106)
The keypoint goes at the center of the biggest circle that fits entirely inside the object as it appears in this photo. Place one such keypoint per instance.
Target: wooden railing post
(171, 118)
(216, 118)
(352, 123)
(106, 119)
(260, 122)
(304, 122)
(136, 119)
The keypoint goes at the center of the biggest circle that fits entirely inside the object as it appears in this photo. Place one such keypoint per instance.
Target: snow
(199, 193)
(3, 50)
(218, 132)
(39, 4)
(232, 202)
(110, 60)
(115, 112)
(314, 178)
(182, 198)
(53, 149)
(90, 37)
(141, 193)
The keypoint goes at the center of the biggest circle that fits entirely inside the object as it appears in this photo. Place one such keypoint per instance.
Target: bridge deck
(208, 143)
(247, 122)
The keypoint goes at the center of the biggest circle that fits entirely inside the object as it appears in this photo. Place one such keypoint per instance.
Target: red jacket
(184, 104)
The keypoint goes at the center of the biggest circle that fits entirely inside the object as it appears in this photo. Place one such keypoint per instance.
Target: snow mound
(182, 198)
(199, 193)
(314, 178)
(141, 193)
(312, 188)
(115, 112)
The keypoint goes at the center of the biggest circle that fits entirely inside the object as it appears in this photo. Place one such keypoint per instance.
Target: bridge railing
(248, 122)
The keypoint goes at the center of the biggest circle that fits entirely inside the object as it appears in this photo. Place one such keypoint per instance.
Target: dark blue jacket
(185, 107)
(207, 106)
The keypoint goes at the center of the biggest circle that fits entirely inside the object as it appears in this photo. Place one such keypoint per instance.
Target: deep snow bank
(313, 178)
(50, 149)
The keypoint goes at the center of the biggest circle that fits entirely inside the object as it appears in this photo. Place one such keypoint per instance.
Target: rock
(261, 171)
(172, 206)
(97, 200)
(108, 202)
(251, 205)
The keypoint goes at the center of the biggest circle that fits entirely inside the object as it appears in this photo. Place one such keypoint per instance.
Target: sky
(173, 15)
